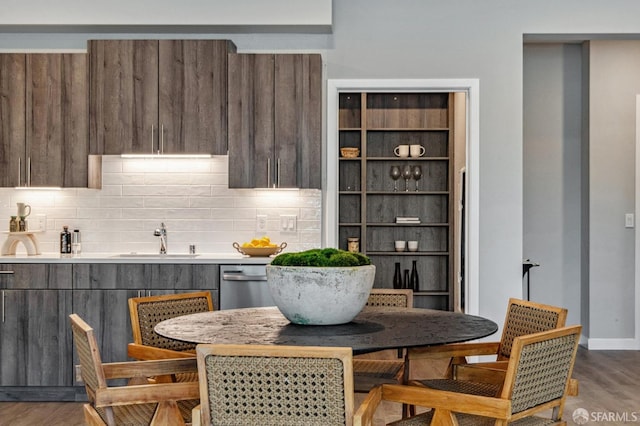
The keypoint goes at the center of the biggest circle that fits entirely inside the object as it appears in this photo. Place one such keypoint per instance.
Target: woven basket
(350, 152)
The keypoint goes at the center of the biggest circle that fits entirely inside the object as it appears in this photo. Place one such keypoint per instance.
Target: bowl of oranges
(259, 247)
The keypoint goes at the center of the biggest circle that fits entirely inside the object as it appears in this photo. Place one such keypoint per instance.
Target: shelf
(402, 158)
(350, 129)
(430, 293)
(405, 193)
(407, 129)
(394, 225)
(349, 192)
(349, 224)
(350, 159)
(408, 253)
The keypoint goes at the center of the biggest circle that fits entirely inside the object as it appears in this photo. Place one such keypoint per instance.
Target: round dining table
(373, 329)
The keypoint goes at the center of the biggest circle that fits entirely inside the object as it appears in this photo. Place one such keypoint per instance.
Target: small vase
(397, 277)
(407, 282)
(415, 280)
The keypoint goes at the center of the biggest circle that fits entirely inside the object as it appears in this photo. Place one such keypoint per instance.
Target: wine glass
(406, 174)
(417, 174)
(395, 175)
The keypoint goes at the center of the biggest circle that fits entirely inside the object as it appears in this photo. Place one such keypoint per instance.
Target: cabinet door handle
(278, 173)
(152, 126)
(29, 171)
(3, 306)
(162, 138)
(6, 272)
(268, 172)
(19, 170)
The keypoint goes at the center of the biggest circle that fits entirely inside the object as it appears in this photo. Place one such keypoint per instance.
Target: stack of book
(404, 220)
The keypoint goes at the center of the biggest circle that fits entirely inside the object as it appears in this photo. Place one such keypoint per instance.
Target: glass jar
(13, 224)
(353, 244)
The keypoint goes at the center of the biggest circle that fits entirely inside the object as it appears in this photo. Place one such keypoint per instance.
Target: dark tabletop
(373, 329)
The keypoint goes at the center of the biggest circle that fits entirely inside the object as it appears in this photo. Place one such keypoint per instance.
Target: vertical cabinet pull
(162, 138)
(3, 306)
(268, 172)
(19, 170)
(152, 126)
(28, 171)
(278, 173)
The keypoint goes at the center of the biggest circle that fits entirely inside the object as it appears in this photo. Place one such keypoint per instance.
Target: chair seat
(470, 420)
(461, 386)
(370, 372)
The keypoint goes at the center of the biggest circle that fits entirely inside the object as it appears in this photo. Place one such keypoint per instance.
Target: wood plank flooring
(608, 384)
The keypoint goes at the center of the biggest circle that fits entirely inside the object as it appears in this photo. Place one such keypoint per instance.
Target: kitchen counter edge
(204, 258)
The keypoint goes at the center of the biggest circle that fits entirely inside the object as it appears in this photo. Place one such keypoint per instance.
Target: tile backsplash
(189, 195)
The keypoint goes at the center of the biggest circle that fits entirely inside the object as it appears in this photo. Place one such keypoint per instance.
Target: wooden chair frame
(458, 352)
(369, 372)
(201, 413)
(444, 403)
(103, 396)
(140, 351)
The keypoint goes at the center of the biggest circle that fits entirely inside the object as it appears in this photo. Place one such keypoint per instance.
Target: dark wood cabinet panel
(44, 119)
(275, 120)
(150, 96)
(123, 105)
(35, 339)
(12, 116)
(57, 119)
(193, 95)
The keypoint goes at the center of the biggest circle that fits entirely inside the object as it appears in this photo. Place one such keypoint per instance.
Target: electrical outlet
(288, 223)
(629, 221)
(261, 223)
(38, 222)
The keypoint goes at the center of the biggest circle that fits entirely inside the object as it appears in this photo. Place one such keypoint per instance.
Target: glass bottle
(65, 241)
(397, 278)
(22, 224)
(13, 224)
(407, 283)
(415, 280)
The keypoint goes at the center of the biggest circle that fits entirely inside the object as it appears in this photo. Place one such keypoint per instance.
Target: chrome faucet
(162, 233)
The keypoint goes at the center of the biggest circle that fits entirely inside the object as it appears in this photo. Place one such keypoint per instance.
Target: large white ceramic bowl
(320, 296)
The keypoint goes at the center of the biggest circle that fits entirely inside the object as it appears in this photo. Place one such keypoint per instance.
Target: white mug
(400, 245)
(416, 150)
(401, 151)
(24, 210)
(412, 245)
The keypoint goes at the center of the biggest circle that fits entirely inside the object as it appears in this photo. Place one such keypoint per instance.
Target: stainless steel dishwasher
(244, 286)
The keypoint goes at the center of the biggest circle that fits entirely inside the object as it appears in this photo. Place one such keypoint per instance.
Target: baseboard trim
(613, 344)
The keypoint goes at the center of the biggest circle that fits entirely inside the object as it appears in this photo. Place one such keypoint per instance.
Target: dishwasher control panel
(244, 286)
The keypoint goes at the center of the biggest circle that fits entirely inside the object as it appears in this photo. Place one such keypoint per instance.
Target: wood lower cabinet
(36, 344)
(101, 293)
(44, 121)
(158, 96)
(371, 196)
(275, 120)
(35, 338)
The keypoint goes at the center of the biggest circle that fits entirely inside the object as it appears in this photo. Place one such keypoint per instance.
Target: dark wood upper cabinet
(275, 119)
(150, 96)
(12, 117)
(44, 119)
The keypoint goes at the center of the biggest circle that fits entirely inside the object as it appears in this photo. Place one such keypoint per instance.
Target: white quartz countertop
(204, 258)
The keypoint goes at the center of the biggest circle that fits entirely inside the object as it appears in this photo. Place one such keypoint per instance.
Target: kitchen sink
(157, 255)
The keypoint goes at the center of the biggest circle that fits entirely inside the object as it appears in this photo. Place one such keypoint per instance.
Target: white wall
(614, 82)
(190, 195)
(454, 39)
(551, 173)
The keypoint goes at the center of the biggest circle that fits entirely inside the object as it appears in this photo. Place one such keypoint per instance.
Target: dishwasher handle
(239, 276)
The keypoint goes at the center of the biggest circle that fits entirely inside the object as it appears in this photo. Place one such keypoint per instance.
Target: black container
(65, 241)
(397, 277)
(415, 280)
(407, 282)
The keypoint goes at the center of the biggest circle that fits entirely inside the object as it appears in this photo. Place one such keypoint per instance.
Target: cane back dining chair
(536, 381)
(139, 403)
(369, 371)
(146, 312)
(274, 385)
(485, 378)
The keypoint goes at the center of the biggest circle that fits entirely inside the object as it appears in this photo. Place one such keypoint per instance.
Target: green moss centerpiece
(320, 286)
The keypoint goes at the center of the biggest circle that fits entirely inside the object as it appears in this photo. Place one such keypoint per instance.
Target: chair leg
(167, 413)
